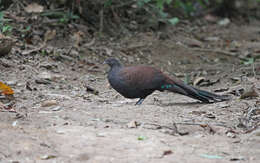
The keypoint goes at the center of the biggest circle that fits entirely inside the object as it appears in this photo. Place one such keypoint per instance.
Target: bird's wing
(144, 77)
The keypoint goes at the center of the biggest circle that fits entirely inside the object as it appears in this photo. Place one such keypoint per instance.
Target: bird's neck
(115, 68)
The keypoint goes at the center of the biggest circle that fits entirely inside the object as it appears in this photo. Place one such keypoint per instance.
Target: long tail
(204, 96)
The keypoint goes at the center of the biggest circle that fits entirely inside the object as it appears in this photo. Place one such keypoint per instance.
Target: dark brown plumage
(141, 81)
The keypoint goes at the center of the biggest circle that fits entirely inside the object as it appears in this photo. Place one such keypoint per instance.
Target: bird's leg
(139, 102)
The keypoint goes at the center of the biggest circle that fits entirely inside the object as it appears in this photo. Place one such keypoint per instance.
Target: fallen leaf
(249, 93)
(2, 106)
(141, 138)
(5, 46)
(191, 42)
(231, 135)
(198, 80)
(211, 116)
(198, 112)
(91, 90)
(77, 37)
(211, 18)
(7, 108)
(34, 7)
(6, 90)
(49, 35)
(132, 124)
(224, 22)
(167, 152)
(221, 89)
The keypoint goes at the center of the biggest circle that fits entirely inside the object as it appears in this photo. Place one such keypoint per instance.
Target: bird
(140, 81)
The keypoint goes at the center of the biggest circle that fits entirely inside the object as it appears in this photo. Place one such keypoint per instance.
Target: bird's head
(112, 62)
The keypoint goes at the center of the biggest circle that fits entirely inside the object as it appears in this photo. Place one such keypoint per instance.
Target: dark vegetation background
(115, 17)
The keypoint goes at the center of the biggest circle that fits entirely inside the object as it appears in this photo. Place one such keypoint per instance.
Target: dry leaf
(7, 108)
(249, 93)
(34, 7)
(132, 124)
(198, 80)
(6, 90)
(49, 35)
(167, 152)
(77, 38)
(2, 106)
(5, 46)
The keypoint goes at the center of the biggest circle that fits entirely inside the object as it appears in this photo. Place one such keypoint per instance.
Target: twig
(218, 51)
(202, 124)
(68, 53)
(253, 67)
(128, 3)
(252, 129)
(34, 50)
(101, 21)
(92, 90)
(90, 43)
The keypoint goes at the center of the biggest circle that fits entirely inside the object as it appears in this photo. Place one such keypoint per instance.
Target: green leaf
(160, 4)
(141, 3)
(163, 14)
(107, 3)
(168, 1)
(173, 21)
(141, 138)
(249, 61)
(187, 79)
(1, 16)
(7, 28)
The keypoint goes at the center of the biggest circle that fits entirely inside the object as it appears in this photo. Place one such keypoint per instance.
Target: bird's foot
(139, 102)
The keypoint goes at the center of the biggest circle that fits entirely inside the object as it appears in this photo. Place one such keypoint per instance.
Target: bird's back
(136, 81)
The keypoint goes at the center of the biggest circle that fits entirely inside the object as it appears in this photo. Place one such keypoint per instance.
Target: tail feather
(204, 96)
(213, 96)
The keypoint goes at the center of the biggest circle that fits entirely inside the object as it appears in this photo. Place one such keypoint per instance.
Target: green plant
(4, 27)
(248, 61)
(189, 6)
(67, 17)
(63, 17)
(157, 8)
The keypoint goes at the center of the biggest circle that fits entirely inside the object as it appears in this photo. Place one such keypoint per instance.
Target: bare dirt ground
(57, 120)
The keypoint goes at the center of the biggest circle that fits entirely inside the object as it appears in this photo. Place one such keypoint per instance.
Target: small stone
(132, 124)
(60, 131)
(231, 135)
(48, 65)
(48, 103)
(211, 39)
(57, 108)
(101, 134)
(47, 157)
(224, 22)
(14, 123)
(44, 75)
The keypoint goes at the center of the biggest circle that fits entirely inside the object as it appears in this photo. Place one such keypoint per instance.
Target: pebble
(57, 108)
(48, 103)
